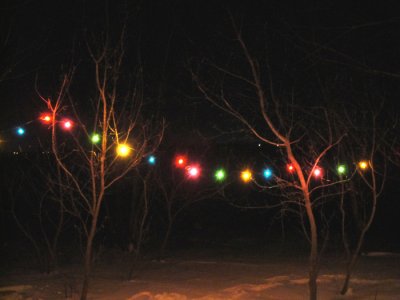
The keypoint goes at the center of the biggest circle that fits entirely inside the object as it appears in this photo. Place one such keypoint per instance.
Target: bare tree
(139, 219)
(177, 194)
(116, 116)
(366, 137)
(303, 135)
(48, 218)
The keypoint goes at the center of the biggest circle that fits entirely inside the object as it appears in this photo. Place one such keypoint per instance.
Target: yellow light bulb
(363, 165)
(123, 150)
(246, 175)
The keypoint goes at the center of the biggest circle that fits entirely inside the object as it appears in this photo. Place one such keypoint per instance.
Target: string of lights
(193, 170)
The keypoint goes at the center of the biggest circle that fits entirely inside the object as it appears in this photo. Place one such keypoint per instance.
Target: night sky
(41, 39)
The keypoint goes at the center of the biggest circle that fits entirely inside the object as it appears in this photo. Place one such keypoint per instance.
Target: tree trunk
(361, 238)
(350, 266)
(313, 259)
(166, 239)
(88, 258)
(352, 262)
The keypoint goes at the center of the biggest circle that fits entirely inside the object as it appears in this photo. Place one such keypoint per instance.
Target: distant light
(180, 161)
(67, 124)
(259, 145)
(46, 118)
(20, 131)
(95, 138)
(363, 165)
(220, 175)
(123, 150)
(246, 175)
(317, 172)
(290, 168)
(193, 171)
(267, 173)
(341, 169)
(151, 160)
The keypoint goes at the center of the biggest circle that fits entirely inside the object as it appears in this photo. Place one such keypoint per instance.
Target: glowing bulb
(123, 150)
(246, 175)
(220, 175)
(341, 169)
(95, 138)
(193, 171)
(363, 165)
(151, 160)
(267, 173)
(46, 118)
(290, 168)
(317, 172)
(20, 131)
(180, 161)
(67, 124)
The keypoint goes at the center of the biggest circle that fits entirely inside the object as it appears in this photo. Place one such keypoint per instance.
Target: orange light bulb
(246, 175)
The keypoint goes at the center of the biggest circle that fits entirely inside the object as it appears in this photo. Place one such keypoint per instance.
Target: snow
(184, 278)
(387, 254)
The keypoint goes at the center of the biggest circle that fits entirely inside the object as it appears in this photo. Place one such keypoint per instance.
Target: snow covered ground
(377, 276)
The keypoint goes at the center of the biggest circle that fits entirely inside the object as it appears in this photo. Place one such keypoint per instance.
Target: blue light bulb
(152, 159)
(267, 173)
(20, 131)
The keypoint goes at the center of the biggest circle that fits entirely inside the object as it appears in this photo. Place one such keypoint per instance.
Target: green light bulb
(220, 174)
(95, 138)
(341, 169)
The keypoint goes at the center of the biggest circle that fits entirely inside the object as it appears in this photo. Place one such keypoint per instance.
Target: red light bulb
(290, 168)
(317, 172)
(67, 124)
(46, 118)
(193, 171)
(180, 161)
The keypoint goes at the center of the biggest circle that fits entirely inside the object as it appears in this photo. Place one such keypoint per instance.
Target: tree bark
(313, 259)
(88, 257)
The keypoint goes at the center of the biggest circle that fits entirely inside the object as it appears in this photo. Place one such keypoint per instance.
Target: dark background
(351, 43)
